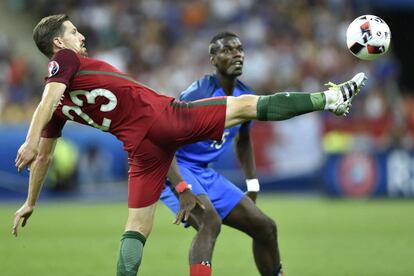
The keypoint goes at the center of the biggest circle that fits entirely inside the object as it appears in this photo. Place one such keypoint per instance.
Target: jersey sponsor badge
(53, 68)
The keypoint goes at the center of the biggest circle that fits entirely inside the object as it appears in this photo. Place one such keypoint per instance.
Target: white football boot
(339, 96)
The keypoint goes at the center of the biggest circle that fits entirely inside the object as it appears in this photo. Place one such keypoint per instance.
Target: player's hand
(23, 213)
(25, 156)
(188, 201)
(252, 196)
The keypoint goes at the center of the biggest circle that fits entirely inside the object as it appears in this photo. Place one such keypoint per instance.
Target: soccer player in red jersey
(151, 126)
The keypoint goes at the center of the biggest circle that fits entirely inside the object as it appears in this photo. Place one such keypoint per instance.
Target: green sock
(130, 253)
(282, 106)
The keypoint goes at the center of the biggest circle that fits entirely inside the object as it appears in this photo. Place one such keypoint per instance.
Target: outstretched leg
(249, 219)
(282, 106)
(137, 230)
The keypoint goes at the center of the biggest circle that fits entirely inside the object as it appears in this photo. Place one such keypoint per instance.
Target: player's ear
(213, 60)
(58, 42)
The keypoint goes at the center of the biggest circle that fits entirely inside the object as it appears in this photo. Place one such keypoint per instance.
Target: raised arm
(50, 99)
(245, 154)
(38, 171)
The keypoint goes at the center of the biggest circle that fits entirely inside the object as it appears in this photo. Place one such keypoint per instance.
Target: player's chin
(235, 72)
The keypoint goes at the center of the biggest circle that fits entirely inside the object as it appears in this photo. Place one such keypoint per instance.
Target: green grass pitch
(317, 236)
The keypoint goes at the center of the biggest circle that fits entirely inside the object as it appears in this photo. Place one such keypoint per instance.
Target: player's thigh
(148, 168)
(184, 123)
(248, 218)
(199, 218)
(141, 219)
(223, 194)
(205, 218)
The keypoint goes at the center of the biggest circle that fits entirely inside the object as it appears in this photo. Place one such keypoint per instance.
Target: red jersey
(101, 96)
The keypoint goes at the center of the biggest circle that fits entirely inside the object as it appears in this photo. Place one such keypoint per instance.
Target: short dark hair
(213, 47)
(46, 30)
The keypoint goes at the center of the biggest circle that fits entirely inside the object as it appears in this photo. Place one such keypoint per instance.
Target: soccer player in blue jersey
(223, 202)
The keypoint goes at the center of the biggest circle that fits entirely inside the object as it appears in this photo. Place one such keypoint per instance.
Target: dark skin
(229, 60)
(188, 201)
(246, 217)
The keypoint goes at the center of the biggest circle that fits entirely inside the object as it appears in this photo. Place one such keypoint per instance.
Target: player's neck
(227, 83)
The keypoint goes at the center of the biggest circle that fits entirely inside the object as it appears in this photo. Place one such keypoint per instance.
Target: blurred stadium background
(314, 163)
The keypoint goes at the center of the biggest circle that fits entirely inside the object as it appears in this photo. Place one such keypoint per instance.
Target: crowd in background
(289, 46)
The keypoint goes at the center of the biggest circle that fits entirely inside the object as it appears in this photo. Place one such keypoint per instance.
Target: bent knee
(141, 220)
(210, 222)
(240, 109)
(267, 229)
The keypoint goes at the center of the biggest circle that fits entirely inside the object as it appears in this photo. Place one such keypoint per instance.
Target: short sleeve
(200, 89)
(63, 67)
(53, 129)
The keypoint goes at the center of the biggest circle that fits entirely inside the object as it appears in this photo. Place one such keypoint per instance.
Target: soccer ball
(368, 37)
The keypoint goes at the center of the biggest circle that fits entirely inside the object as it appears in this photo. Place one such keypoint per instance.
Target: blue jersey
(207, 151)
(193, 159)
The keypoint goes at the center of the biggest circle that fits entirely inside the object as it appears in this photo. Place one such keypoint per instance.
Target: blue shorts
(222, 193)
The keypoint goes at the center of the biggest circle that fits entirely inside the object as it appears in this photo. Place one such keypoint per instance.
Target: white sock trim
(330, 98)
